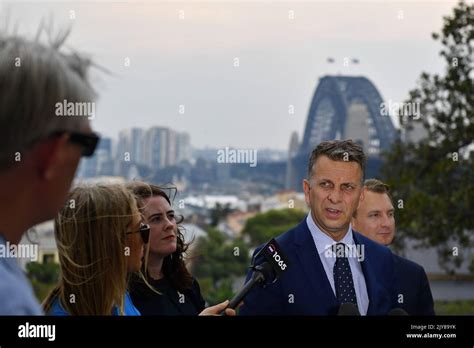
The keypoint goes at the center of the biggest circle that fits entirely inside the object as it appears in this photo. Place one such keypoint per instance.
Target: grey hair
(338, 150)
(33, 78)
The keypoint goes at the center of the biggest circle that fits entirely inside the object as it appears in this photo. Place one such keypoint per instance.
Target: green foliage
(266, 226)
(41, 290)
(220, 260)
(460, 307)
(47, 272)
(43, 277)
(433, 178)
(222, 292)
(217, 256)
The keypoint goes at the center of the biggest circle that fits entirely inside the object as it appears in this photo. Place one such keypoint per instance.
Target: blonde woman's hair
(90, 235)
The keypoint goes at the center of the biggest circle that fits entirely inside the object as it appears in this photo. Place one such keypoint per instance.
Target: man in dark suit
(321, 278)
(375, 219)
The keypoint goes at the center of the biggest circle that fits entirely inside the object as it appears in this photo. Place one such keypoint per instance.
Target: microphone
(397, 312)
(348, 309)
(264, 272)
(260, 275)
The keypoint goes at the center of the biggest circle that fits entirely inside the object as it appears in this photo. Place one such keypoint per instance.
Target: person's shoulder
(18, 301)
(195, 295)
(408, 264)
(138, 289)
(372, 246)
(195, 287)
(57, 309)
(16, 294)
(129, 307)
(287, 238)
(10, 276)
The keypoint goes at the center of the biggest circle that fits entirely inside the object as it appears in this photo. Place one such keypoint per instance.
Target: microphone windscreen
(397, 312)
(348, 309)
(267, 270)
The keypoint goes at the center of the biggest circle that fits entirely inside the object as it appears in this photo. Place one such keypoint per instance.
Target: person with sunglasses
(40, 151)
(101, 241)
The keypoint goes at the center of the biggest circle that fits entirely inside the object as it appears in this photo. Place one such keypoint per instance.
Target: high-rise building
(171, 148)
(183, 147)
(164, 147)
(155, 145)
(292, 151)
(103, 154)
(130, 145)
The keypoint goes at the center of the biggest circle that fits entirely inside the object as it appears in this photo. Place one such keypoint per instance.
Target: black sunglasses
(88, 141)
(144, 232)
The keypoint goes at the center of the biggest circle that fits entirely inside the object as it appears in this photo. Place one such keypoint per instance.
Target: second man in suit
(375, 219)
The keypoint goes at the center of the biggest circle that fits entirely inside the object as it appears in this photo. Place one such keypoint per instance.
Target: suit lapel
(311, 265)
(373, 288)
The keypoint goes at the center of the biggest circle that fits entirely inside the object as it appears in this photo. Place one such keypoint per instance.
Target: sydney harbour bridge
(343, 107)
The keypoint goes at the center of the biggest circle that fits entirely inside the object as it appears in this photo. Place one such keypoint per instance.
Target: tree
(219, 261)
(263, 227)
(219, 212)
(47, 272)
(432, 179)
(43, 277)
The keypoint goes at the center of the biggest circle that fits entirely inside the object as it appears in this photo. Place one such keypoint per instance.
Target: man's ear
(361, 198)
(48, 155)
(354, 223)
(362, 194)
(306, 188)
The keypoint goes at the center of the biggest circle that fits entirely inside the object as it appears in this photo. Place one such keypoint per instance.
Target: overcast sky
(281, 49)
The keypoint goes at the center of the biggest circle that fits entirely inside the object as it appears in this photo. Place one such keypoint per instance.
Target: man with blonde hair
(375, 219)
(40, 149)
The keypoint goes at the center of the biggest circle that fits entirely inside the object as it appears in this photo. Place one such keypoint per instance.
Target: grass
(460, 307)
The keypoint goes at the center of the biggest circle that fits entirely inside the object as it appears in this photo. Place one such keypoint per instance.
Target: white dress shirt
(323, 242)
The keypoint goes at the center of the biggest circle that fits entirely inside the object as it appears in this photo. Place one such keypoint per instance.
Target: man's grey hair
(338, 150)
(33, 78)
